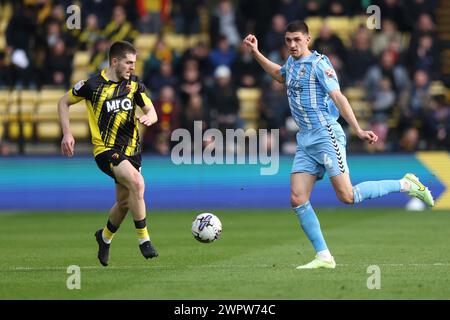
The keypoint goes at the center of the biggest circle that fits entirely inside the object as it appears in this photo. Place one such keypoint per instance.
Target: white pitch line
(60, 268)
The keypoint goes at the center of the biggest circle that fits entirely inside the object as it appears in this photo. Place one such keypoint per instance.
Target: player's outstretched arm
(347, 113)
(270, 67)
(68, 141)
(149, 117)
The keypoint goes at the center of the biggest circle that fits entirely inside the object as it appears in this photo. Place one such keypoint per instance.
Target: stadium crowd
(201, 83)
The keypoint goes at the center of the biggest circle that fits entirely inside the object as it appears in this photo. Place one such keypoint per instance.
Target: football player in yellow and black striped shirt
(112, 97)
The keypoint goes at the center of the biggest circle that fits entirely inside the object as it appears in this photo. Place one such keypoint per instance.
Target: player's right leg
(301, 187)
(127, 175)
(116, 215)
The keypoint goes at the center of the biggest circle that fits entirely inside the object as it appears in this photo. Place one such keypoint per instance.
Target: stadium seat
(314, 24)
(177, 42)
(79, 74)
(79, 112)
(248, 101)
(14, 130)
(144, 43)
(81, 59)
(437, 88)
(48, 130)
(2, 41)
(51, 95)
(4, 102)
(80, 130)
(342, 27)
(354, 93)
(47, 111)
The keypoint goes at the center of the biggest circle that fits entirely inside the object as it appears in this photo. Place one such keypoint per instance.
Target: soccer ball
(206, 227)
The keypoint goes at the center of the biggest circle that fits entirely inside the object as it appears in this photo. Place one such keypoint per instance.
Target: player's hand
(251, 42)
(369, 136)
(68, 145)
(146, 120)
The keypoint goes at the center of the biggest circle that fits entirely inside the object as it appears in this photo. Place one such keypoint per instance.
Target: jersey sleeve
(326, 75)
(141, 95)
(79, 92)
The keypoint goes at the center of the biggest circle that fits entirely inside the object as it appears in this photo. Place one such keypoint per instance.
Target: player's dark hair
(120, 49)
(298, 26)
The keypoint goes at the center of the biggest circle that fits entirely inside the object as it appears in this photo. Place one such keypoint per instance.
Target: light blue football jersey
(308, 82)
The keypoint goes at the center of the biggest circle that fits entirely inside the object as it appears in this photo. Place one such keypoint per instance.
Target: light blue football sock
(311, 226)
(374, 189)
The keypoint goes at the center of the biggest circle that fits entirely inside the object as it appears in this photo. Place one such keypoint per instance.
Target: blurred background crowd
(192, 61)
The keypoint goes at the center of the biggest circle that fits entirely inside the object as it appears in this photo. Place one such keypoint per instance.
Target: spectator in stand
(388, 33)
(338, 8)
(102, 9)
(274, 39)
(119, 28)
(425, 57)
(329, 43)
(195, 111)
(424, 25)
(314, 7)
(58, 65)
(291, 10)
(99, 57)
(416, 101)
(149, 16)
(223, 103)
(20, 39)
(274, 108)
(437, 124)
(359, 58)
(225, 21)
(90, 34)
(393, 10)
(164, 78)
(5, 73)
(415, 8)
(157, 137)
(246, 71)
(191, 83)
(161, 52)
(186, 14)
(200, 53)
(387, 68)
(222, 54)
(254, 16)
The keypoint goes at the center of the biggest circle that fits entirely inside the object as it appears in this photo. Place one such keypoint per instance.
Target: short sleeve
(284, 68)
(141, 96)
(326, 75)
(80, 91)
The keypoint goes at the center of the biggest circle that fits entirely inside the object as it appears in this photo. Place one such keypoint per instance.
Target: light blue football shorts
(321, 149)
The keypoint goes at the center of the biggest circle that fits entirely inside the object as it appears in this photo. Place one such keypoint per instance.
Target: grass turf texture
(254, 259)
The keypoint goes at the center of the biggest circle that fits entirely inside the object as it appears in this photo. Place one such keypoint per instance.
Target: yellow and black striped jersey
(111, 108)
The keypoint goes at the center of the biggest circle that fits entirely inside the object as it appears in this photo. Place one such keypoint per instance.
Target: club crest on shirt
(302, 71)
(330, 73)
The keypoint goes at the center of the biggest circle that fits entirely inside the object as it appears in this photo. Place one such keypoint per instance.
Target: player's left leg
(350, 194)
(335, 163)
(127, 175)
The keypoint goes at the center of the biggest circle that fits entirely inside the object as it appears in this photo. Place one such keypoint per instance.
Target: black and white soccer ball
(206, 227)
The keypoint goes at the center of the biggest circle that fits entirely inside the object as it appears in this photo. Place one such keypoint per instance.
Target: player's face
(125, 66)
(297, 43)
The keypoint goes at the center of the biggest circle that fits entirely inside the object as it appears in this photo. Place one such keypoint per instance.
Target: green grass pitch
(254, 259)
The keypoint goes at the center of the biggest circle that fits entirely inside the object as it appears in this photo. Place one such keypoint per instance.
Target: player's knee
(346, 197)
(138, 185)
(298, 199)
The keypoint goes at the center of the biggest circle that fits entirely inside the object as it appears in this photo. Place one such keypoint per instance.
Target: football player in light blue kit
(316, 101)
